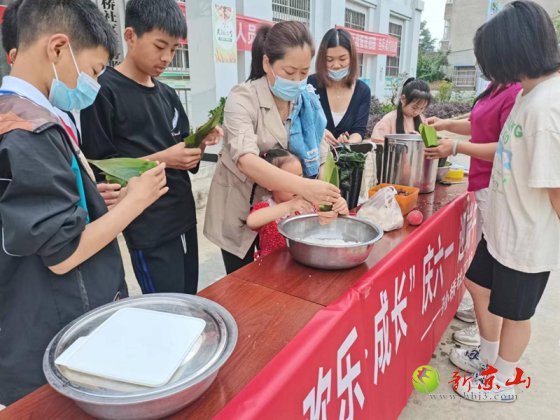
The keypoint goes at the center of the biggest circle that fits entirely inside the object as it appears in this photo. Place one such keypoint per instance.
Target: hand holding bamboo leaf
(200, 135)
(181, 157)
(144, 190)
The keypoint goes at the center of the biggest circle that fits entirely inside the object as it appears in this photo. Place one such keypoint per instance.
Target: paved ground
(541, 361)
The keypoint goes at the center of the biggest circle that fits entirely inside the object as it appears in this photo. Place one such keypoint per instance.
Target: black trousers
(234, 263)
(171, 267)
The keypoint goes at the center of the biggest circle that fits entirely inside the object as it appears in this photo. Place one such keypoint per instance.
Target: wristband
(455, 144)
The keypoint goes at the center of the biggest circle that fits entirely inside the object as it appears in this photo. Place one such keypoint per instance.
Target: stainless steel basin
(304, 235)
(106, 399)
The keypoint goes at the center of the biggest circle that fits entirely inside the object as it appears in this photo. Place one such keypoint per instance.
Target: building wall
(325, 14)
(201, 76)
(463, 17)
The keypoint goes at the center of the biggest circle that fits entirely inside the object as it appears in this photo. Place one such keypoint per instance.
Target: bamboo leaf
(216, 117)
(330, 174)
(120, 170)
(429, 135)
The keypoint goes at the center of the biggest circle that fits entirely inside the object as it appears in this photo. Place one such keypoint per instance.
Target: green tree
(431, 63)
(426, 43)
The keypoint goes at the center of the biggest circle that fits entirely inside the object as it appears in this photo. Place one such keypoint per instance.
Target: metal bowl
(109, 399)
(302, 232)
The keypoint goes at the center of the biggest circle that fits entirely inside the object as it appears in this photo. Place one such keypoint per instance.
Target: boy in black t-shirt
(135, 115)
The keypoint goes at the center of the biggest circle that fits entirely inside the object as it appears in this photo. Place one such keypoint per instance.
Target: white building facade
(200, 78)
(398, 18)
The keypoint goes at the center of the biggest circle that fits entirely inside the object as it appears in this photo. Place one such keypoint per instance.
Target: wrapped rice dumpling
(429, 135)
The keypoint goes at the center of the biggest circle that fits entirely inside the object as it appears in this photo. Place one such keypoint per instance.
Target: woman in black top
(345, 99)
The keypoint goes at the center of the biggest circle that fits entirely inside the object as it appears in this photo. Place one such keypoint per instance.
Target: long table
(282, 309)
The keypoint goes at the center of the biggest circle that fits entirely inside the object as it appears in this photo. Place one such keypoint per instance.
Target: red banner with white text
(371, 43)
(355, 358)
(247, 30)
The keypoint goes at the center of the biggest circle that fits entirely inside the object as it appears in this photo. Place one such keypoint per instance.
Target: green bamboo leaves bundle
(330, 174)
(216, 117)
(429, 135)
(120, 170)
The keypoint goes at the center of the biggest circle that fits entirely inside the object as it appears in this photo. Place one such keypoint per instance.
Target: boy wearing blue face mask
(135, 115)
(109, 192)
(59, 257)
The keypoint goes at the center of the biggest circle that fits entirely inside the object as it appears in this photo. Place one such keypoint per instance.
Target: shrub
(447, 109)
(445, 89)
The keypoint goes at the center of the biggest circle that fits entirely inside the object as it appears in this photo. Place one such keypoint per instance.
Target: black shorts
(513, 294)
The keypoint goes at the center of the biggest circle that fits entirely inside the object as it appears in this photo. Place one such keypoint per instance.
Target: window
(356, 20)
(299, 10)
(393, 63)
(445, 30)
(464, 76)
(180, 61)
(184, 97)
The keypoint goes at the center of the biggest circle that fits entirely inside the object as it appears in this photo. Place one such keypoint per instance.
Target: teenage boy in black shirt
(135, 115)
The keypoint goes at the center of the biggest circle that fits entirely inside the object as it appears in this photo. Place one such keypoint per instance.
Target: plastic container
(407, 203)
(455, 174)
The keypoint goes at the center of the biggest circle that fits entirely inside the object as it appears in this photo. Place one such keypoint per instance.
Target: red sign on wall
(247, 30)
(373, 43)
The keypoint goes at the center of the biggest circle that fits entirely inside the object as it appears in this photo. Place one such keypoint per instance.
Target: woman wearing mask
(344, 98)
(273, 109)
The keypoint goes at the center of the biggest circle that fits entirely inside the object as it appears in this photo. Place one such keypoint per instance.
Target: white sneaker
(467, 360)
(473, 390)
(468, 336)
(466, 312)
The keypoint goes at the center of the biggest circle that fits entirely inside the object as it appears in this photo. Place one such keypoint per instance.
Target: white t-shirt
(337, 117)
(521, 226)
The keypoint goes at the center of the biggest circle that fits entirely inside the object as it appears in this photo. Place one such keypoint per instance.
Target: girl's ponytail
(257, 53)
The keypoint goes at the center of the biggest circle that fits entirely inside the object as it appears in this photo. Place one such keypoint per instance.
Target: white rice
(329, 242)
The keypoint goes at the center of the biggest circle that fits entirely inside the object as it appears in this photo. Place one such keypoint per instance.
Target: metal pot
(106, 399)
(304, 233)
(404, 163)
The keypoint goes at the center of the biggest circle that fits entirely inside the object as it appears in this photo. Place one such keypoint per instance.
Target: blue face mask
(288, 90)
(338, 75)
(82, 96)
